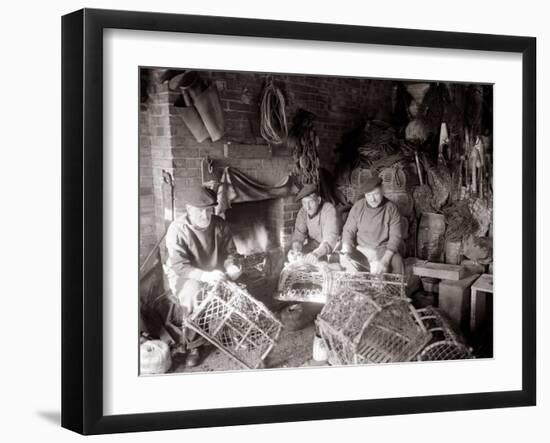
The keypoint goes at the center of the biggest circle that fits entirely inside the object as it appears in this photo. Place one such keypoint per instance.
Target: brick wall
(147, 236)
(339, 103)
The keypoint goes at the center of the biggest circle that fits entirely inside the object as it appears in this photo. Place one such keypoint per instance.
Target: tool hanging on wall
(208, 175)
(168, 200)
(443, 144)
(199, 106)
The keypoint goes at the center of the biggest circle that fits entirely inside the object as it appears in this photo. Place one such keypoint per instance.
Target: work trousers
(360, 256)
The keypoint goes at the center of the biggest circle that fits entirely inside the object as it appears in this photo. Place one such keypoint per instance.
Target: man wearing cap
(317, 222)
(200, 251)
(372, 233)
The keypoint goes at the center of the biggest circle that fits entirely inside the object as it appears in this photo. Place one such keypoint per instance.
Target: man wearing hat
(200, 251)
(317, 222)
(372, 233)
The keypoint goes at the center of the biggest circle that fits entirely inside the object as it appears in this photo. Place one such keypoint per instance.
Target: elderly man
(317, 222)
(372, 233)
(200, 251)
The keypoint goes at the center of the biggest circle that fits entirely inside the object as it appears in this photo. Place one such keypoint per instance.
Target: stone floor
(294, 349)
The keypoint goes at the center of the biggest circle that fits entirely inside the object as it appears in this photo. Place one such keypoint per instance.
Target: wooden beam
(442, 271)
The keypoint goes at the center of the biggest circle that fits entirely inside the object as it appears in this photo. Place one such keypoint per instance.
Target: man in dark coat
(201, 251)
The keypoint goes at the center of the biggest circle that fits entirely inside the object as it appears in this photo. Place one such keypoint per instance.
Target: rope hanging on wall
(273, 118)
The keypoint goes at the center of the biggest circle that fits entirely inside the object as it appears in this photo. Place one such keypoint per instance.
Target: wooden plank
(441, 271)
(233, 150)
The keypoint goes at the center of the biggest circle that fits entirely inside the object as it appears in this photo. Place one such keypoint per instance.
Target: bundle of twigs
(460, 221)
(439, 179)
(273, 125)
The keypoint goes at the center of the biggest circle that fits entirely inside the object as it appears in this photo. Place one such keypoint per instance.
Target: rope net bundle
(273, 125)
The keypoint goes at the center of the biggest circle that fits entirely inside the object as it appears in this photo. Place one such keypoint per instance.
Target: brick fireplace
(171, 160)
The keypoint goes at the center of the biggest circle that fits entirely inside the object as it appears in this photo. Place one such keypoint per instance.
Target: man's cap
(370, 184)
(306, 190)
(200, 197)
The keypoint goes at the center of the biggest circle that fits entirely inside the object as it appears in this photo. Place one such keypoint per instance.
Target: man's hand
(234, 271)
(212, 277)
(346, 248)
(311, 258)
(377, 267)
(348, 263)
(385, 261)
(295, 253)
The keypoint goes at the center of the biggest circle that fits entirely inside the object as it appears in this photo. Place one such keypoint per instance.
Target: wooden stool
(478, 306)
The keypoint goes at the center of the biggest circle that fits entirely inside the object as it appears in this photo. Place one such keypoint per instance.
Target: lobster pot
(403, 200)
(391, 285)
(350, 193)
(445, 343)
(303, 285)
(256, 266)
(359, 328)
(393, 179)
(236, 323)
(431, 237)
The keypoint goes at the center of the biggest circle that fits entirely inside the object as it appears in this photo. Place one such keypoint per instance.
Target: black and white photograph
(293, 221)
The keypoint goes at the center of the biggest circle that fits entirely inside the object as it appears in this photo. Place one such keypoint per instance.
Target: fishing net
(460, 221)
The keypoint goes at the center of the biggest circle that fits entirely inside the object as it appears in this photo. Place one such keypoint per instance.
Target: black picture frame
(82, 218)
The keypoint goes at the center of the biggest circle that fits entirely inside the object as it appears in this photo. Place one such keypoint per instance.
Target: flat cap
(200, 197)
(306, 190)
(370, 184)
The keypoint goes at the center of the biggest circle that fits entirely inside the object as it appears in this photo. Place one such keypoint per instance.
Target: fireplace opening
(261, 230)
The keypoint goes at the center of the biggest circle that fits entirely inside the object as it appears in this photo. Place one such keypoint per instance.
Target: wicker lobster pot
(360, 328)
(236, 323)
(303, 284)
(317, 286)
(445, 343)
(392, 285)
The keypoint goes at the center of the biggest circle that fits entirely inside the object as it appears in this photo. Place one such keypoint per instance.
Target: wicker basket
(236, 323)
(392, 285)
(317, 286)
(299, 284)
(361, 328)
(445, 344)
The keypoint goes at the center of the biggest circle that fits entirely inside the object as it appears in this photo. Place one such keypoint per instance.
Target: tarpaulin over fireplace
(236, 187)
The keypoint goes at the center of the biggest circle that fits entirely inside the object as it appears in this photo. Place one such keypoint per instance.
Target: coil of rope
(273, 125)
